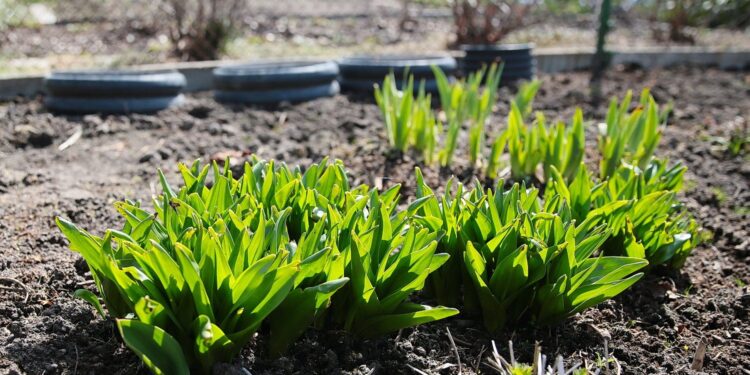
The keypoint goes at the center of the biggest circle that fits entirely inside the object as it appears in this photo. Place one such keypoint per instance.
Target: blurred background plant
(488, 21)
(200, 29)
(682, 15)
(736, 141)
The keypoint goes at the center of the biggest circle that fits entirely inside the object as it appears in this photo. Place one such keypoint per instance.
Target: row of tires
(264, 83)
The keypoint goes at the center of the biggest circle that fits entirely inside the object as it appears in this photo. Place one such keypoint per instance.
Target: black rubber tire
(79, 105)
(514, 78)
(115, 84)
(274, 75)
(509, 80)
(518, 61)
(507, 64)
(377, 67)
(507, 72)
(273, 97)
(363, 85)
(505, 50)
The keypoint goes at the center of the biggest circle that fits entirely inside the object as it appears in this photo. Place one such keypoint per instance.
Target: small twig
(398, 337)
(462, 342)
(538, 366)
(479, 359)
(560, 365)
(14, 281)
(75, 369)
(606, 337)
(606, 356)
(700, 355)
(618, 367)
(72, 139)
(455, 350)
(85, 283)
(442, 367)
(418, 371)
(497, 362)
(573, 368)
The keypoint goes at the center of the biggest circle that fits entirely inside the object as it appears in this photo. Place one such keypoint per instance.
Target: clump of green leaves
(737, 142)
(480, 108)
(496, 153)
(183, 308)
(629, 136)
(389, 258)
(561, 146)
(215, 262)
(518, 259)
(409, 120)
(564, 147)
(524, 98)
(639, 206)
(190, 283)
(526, 144)
(466, 101)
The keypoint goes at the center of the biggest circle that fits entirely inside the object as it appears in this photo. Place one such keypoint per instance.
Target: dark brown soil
(653, 328)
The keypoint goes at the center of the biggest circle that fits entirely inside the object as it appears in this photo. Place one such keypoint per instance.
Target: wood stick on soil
(700, 355)
(497, 362)
(560, 365)
(17, 282)
(75, 369)
(72, 139)
(478, 362)
(455, 350)
(418, 371)
(539, 364)
(606, 356)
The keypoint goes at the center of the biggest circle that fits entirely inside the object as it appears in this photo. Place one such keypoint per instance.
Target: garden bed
(654, 327)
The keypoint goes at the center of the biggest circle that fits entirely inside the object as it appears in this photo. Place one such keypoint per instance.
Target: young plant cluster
(517, 255)
(280, 250)
(639, 206)
(276, 249)
(635, 193)
(557, 146)
(464, 101)
(409, 120)
(516, 258)
(651, 218)
(411, 123)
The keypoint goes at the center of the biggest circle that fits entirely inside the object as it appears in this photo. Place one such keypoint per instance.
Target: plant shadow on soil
(654, 327)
